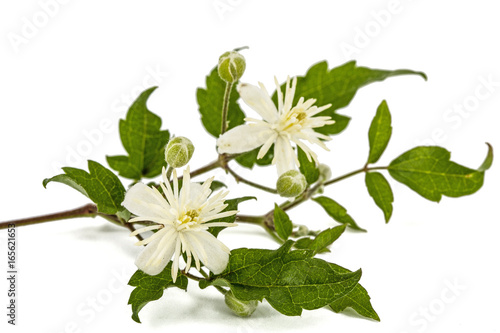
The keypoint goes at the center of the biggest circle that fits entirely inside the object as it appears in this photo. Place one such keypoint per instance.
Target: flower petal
(211, 251)
(198, 194)
(284, 158)
(243, 138)
(258, 99)
(142, 200)
(157, 266)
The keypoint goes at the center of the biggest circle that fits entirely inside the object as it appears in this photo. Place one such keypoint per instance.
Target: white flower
(182, 222)
(280, 126)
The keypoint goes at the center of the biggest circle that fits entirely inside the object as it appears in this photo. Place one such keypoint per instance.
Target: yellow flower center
(189, 218)
(293, 119)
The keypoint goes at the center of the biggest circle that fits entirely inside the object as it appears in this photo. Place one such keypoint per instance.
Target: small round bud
(231, 66)
(303, 231)
(179, 151)
(324, 172)
(291, 184)
(239, 307)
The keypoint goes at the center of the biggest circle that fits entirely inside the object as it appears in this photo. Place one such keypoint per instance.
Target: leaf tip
(488, 161)
(423, 75)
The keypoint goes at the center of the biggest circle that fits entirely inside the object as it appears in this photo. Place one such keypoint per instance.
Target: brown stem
(218, 163)
(89, 210)
(191, 276)
(130, 227)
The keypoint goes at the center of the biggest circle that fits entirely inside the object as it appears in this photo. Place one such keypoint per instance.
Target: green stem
(268, 219)
(249, 219)
(169, 172)
(350, 174)
(225, 107)
(219, 288)
(312, 190)
(240, 179)
(272, 233)
(191, 276)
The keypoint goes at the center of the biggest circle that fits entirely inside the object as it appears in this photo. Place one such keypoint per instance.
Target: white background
(65, 84)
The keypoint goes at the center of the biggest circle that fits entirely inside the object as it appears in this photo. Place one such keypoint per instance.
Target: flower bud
(324, 172)
(231, 66)
(291, 184)
(303, 231)
(239, 307)
(179, 151)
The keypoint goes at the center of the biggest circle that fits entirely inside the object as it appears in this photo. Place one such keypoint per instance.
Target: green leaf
(337, 212)
(357, 299)
(338, 87)
(488, 161)
(326, 238)
(380, 190)
(289, 280)
(429, 172)
(249, 159)
(308, 168)
(303, 243)
(216, 185)
(232, 204)
(210, 102)
(144, 141)
(150, 288)
(101, 185)
(282, 223)
(380, 132)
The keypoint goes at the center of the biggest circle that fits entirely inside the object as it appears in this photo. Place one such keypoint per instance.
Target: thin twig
(89, 210)
(309, 192)
(249, 219)
(240, 179)
(191, 276)
(219, 288)
(132, 229)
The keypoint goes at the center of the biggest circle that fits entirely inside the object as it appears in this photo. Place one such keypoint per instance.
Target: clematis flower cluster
(181, 219)
(280, 126)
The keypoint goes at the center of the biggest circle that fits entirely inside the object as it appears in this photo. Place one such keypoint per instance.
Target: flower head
(279, 126)
(181, 219)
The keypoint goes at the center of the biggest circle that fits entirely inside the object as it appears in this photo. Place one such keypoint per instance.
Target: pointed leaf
(357, 299)
(429, 172)
(488, 161)
(282, 223)
(380, 132)
(289, 280)
(308, 168)
(150, 288)
(144, 141)
(101, 185)
(232, 204)
(303, 243)
(337, 212)
(380, 190)
(210, 102)
(338, 86)
(326, 238)
(249, 159)
(216, 185)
